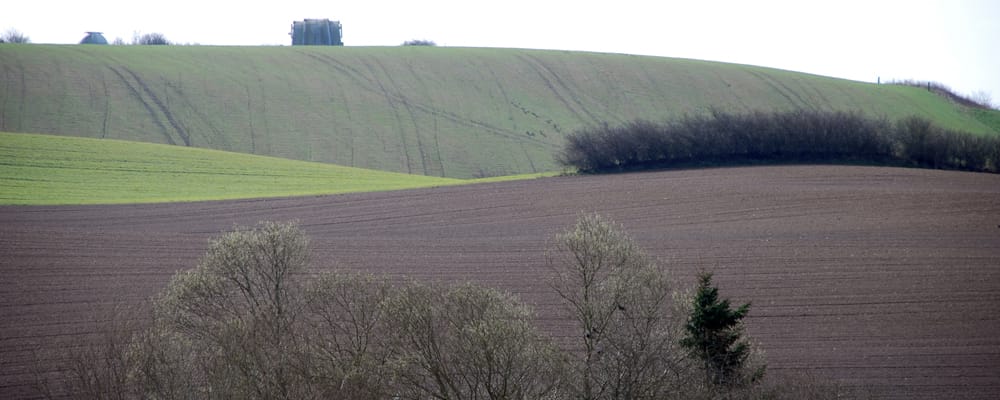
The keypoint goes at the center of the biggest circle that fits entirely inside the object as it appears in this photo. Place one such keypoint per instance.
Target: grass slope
(451, 112)
(43, 169)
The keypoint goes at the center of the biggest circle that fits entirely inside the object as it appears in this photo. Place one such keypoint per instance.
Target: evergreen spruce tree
(714, 336)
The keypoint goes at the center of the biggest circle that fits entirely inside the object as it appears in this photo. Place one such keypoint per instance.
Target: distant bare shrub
(14, 36)
(468, 342)
(974, 100)
(419, 42)
(150, 39)
(984, 99)
(98, 366)
(777, 137)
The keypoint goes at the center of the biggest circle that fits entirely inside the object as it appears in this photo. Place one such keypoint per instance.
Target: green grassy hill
(449, 112)
(42, 169)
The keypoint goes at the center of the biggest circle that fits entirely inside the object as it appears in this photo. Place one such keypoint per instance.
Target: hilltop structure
(94, 38)
(316, 32)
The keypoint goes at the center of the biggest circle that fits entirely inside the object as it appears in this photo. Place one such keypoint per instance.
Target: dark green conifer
(714, 336)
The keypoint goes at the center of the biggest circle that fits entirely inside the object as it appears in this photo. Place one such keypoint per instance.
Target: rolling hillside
(876, 278)
(448, 112)
(44, 169)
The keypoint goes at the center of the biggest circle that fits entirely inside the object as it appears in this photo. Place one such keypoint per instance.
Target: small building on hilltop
(94, 38)
(316, 32)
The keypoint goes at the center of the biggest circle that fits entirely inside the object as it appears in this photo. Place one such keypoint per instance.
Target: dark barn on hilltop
(316, 32)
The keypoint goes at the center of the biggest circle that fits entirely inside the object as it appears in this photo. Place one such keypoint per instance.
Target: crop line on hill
(413, 117)
(107, 107)
(253, 144)
(138, 96)
(817, 93)
(179, 90)
(390, 100)
(263, 104)
(163, 108)
(797, 93)
(6, 98)
(542, 69)
(360, 80)
(450, 116)
(782, 90)
(434, 120)
(438, 162)
(552, 88)
(559, 80)
(528, 156)
(506, 98)
(4, 118)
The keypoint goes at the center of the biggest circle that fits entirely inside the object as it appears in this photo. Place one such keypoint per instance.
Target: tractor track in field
(107, 106)
(372, 85)
(436, 159)
(8, 71)
(783, 90)
(883, 279)
(218, 139)
(164, 109)
(391, 103)
(149, 109)
(409, 111)
(544, 72)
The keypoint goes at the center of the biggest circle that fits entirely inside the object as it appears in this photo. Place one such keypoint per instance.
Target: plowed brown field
(883, 278)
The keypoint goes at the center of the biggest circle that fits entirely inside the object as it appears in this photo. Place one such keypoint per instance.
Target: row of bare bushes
(249, 323)
(979, 99)
(800, 136)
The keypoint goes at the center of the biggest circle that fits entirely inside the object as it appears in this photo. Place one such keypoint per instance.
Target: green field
(43, 169)
(447, 112)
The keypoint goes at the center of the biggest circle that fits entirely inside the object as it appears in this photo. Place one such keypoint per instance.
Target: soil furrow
(889, 291)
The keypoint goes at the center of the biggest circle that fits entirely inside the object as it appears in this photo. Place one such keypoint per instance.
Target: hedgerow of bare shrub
(979, 99)
(468, 342)
(800, 136)
(246, 323)
(150, 39)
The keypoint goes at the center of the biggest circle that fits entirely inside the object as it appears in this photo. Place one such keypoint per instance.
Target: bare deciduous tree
(468, 342)
(420, 42)
(983, 98)
(14, 36)
(154, 38)
(346, 346)
(624, 307)
(244, 324)
(239, 310)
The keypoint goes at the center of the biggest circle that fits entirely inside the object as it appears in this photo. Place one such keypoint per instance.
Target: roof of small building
(94, 38)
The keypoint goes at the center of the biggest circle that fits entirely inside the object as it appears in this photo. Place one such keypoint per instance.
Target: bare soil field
(881, 278)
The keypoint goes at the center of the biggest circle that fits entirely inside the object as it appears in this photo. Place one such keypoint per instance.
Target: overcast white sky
(953, 42)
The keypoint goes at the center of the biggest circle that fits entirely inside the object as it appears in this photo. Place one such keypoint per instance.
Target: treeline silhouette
(800, 136)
